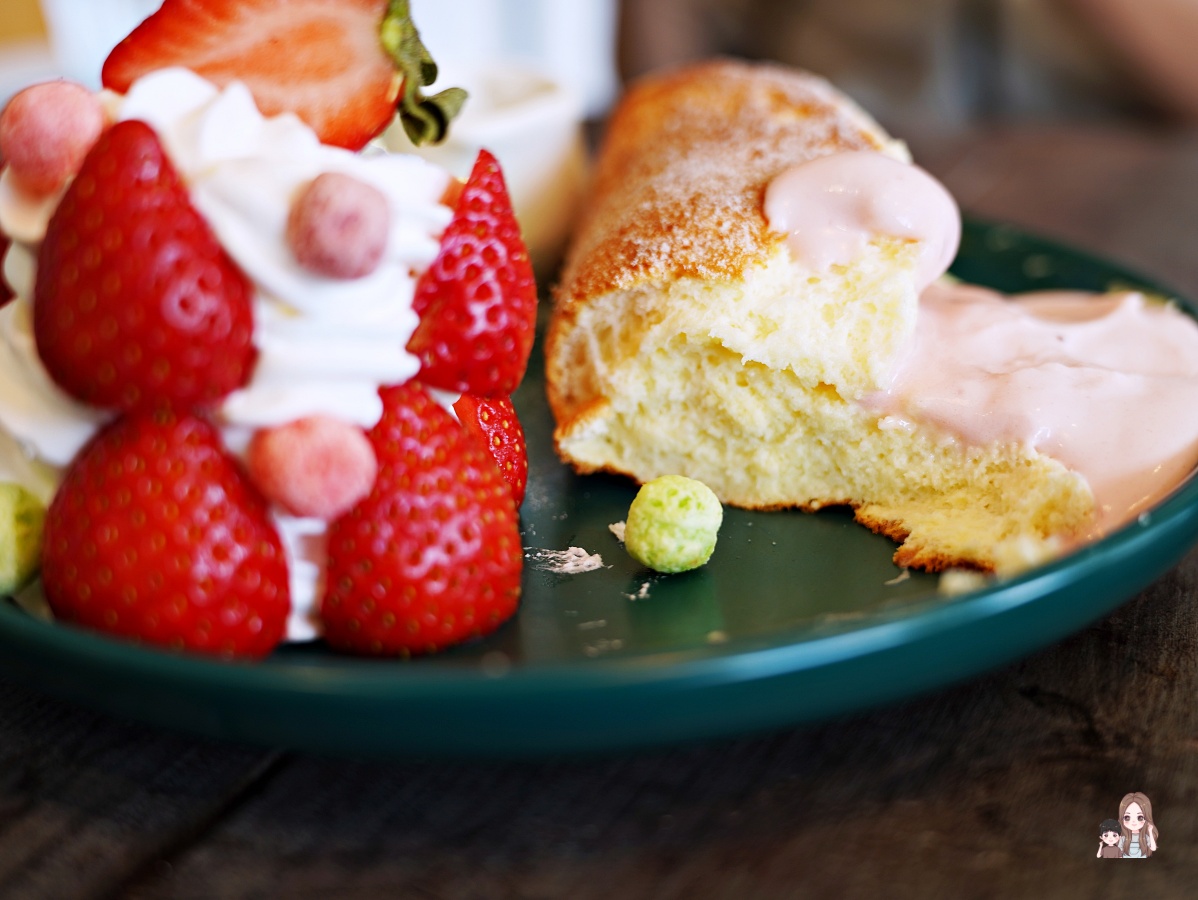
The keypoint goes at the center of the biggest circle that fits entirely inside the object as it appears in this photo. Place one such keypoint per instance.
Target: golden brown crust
(911, 555)
(680, 181)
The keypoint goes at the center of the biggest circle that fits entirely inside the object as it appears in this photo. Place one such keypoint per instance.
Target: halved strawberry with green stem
(156, 535)
(340, 65)
(477, 302)
(432, 557)
(492, 423)
(136, 303)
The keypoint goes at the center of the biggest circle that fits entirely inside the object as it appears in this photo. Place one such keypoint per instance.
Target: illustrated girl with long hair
(1135, 821)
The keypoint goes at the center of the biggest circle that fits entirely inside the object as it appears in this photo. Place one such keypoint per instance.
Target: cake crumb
(617, 528)
(495, 664)
(564, 562)
(32, 600)
(641, 593)
(954, 582)
(602, 646)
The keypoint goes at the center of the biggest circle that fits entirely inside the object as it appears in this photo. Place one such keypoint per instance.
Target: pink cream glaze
(1106, 384)
(830, 207)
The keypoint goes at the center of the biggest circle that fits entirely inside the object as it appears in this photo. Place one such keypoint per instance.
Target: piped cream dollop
(832, 206)
(325, 345)
(1106, 384)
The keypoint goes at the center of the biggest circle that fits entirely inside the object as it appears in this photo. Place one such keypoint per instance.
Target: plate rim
(786, 654)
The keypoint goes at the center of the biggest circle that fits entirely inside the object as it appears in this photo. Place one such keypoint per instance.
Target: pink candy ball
(45, 132)
(338, 226)
(317, 466)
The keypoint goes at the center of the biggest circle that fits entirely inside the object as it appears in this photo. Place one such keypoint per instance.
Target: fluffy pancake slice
(687, 337)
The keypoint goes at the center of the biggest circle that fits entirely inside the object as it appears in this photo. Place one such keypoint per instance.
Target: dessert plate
(797, 617)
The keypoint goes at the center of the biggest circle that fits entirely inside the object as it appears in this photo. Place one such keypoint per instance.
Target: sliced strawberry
(477, 302)
(323, 60)
(432, 557)
(136, 302)
(157, 536)
(491, 422)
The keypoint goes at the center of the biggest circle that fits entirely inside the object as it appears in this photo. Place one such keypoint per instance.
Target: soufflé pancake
(755, 298)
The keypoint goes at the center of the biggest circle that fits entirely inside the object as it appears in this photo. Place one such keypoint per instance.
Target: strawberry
(337, 64)
(137, 304)
(157, 536)
(432, 556)
(491, 422)
(477, 302)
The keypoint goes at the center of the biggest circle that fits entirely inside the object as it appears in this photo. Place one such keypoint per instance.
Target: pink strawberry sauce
(1106, 384)
(830, 207)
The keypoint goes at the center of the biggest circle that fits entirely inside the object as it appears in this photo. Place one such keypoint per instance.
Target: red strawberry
(491, 422)
(137, 304)
(477, 302)
(337, 64)
(156, 535)
(432, 557)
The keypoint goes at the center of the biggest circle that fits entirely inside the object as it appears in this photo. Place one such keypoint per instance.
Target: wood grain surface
(994, 788)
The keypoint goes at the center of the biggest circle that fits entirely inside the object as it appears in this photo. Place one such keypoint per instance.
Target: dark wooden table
(994, 788)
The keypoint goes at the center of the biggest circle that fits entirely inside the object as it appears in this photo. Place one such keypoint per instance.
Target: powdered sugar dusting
(563, 562)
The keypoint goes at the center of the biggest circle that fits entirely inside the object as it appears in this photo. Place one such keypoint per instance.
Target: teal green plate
(796, 618)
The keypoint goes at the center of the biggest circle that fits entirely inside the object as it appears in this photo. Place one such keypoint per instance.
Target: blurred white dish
(533, 125)
(81, 34)
(573, 42)
(24, 63)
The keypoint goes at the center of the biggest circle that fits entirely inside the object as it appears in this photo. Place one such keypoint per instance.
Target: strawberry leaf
(425, 119)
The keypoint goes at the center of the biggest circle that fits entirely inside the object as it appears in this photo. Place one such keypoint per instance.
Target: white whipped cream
(324, 345)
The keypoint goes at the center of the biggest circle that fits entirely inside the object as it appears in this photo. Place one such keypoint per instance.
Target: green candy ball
(21, 519)
(672, 524)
